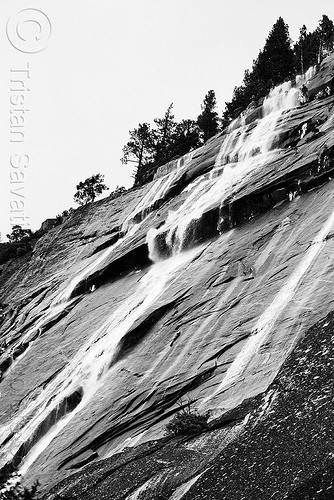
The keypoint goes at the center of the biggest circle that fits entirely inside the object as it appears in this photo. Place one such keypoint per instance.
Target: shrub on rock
(19, 234)
(187, 422)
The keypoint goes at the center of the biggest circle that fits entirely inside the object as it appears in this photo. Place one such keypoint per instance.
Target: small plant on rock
(60, 217)
(187, 422)
(118, 191)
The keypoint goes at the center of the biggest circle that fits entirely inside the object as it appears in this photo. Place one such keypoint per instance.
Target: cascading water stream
(129, 227)
(244, 148)
(158, 191)
(64, 298)
(241, 152)
(86, 372)
(73, 377)
(268, 319)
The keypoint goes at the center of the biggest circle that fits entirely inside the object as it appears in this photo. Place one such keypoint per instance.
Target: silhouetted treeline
(278, 61)
(148, 148)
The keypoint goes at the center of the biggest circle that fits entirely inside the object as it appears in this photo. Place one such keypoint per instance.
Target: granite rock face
(200, 285)
(276, 445)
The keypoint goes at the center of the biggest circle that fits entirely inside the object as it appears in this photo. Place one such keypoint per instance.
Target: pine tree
(149, 149)
(326, 36)
(300, 50)
(185, 138)
(312, 47)
(208, 120)
(274, 65)
(307, 49)
(163, 136)
(89, 189)
(139, 149)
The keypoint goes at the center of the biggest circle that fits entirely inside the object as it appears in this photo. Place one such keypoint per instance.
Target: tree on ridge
(208, 120)
(139, 149)
(274, 65)
(89, 189)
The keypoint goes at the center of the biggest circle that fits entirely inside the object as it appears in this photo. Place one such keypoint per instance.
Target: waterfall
(86, 372)
(64, 298)
(310, 73)
(245, 148)
(267, 320)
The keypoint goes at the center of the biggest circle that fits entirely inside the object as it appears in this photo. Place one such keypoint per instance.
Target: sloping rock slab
(283, 450)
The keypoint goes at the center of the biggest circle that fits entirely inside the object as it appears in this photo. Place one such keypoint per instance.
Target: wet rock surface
(99, 343)
(278, 445)
(288, 451)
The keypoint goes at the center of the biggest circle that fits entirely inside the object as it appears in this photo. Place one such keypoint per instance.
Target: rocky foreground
(211, 284)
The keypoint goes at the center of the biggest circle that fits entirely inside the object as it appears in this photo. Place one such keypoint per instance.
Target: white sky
(110, 64)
